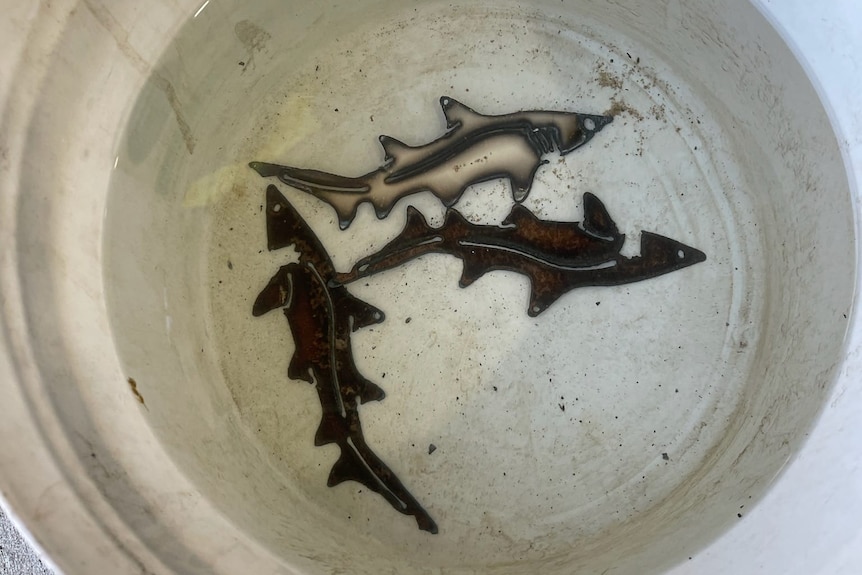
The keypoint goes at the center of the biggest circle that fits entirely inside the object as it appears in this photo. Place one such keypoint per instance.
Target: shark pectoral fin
(473, 269)
(540, 301)
(298, 369)
(456, 113)
(350, 467)
(523, 183)
(370, 391)
(518, 216)
(277, 293)
(363, 314)
(331, 429)
(546, 288)
(597, 220)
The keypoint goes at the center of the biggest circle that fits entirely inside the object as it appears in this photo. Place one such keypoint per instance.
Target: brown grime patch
(608, 80)
(620, 106)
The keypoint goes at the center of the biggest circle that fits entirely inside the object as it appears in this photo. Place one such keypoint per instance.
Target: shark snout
(660, 251)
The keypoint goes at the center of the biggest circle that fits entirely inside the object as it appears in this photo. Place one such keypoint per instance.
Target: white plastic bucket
(150, 424)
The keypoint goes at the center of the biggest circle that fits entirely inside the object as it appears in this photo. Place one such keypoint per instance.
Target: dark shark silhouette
(556, 256)
(321, 318)
(475, 148)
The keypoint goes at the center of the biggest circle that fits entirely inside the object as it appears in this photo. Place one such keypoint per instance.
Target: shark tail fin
(350, 467)
(370, 391)
(324, 185)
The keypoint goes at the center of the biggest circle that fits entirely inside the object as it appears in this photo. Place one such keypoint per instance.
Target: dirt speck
(133, 385)
(431, 448)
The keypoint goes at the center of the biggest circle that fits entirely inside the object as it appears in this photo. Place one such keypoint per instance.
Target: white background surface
(811, 522)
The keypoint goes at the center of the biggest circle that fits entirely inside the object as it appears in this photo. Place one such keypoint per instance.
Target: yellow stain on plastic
(212, 187)
(292, 123)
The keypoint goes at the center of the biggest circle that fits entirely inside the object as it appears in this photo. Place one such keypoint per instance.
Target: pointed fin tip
(537, 305)
(430, 527)
(416, 222)
(450, 105)
(414, 215)
(392, 146)
(276, 203)
(297, 369)
(348, 469)
(470, 272)
(519, 213)
(453, 216)
(447, 101)
(520, 194)
(597, 220)
(371, 392)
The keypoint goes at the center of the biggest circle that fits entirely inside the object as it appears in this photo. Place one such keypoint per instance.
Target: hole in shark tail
(589, 124)
(680, 254)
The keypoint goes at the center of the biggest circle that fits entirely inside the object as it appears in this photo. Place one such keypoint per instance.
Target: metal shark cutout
(475, 148)
(556, 256)
(321, 318)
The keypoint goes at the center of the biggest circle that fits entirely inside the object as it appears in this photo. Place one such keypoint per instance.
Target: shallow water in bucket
(623, 427)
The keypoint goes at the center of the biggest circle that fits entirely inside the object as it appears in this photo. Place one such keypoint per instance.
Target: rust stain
(133, 385)
(608, 80)
(620, 106)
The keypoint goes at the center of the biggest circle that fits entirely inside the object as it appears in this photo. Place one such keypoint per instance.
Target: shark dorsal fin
(454, 218)
(597, 220)
(416, 223)
(392, 147)
(518, 215)
(457, 113)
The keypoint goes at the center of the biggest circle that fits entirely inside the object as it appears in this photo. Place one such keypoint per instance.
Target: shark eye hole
(589, 124)
(680, 254)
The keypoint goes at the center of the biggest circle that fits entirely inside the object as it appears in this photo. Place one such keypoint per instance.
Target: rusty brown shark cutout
(321, 318)
(556, 256)
(475, 148)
